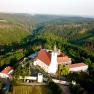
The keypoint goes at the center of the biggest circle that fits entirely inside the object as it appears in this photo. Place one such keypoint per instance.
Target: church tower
(53, 65)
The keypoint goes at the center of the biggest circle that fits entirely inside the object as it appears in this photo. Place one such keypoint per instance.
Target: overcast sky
(63, 7)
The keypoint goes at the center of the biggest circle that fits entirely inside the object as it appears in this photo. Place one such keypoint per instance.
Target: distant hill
(14, 28)
(21, 34)
(17, 18)
(17, 26)
(60, 19)
(75, 30)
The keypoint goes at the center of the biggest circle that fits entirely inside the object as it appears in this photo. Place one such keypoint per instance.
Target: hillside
(24, 34)
(75, 30)
(10, 33)
(14, 28)
(71, 31)
(21, 34)
(14, 32)
(17, 18)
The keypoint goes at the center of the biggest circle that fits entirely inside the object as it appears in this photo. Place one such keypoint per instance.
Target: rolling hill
(16, 29)
(76, 30)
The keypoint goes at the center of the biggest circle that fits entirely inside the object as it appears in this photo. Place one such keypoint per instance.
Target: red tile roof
(7, 70)
(44, 56)
(62, 58)
(76, 65)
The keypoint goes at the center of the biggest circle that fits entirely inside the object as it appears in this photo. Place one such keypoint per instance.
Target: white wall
(3, 75)
(40, 78)
(41, 64)
(77, 69)
(28, 77)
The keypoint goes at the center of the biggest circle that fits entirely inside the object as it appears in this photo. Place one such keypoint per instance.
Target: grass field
(31, 90)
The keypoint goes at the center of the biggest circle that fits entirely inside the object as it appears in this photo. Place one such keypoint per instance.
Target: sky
(58, 7)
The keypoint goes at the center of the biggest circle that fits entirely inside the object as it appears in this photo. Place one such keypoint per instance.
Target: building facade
(6, 73)
(49, 61)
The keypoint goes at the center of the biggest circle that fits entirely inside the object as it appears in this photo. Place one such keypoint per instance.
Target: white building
(40, 78)
(6, 73)
(49, 61)
(78, 67)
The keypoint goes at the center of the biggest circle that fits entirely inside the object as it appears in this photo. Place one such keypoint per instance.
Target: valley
(24, 34)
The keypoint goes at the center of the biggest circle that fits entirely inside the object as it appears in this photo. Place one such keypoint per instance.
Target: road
(65, 89)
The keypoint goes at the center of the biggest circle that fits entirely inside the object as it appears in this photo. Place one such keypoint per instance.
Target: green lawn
(31, 90)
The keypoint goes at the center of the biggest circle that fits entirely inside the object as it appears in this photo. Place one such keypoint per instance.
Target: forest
(24, 34)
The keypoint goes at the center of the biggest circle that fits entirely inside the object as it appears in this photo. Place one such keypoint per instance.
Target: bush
(76, 89)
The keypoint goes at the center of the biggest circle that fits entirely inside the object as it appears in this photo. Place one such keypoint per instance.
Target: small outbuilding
(40, 77)
(6, 73)
(77, 67)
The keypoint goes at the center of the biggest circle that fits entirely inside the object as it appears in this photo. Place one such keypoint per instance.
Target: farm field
(31, 90)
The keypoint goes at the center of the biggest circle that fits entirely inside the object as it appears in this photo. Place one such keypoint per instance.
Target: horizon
(83, 8)
(62, 15)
